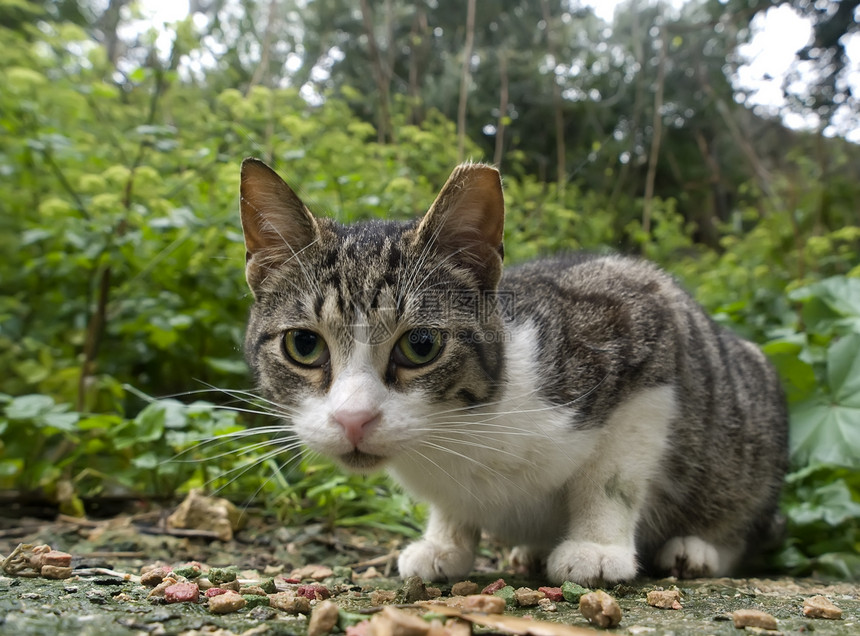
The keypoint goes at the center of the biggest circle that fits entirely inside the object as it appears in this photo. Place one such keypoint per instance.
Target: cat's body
(584, 409)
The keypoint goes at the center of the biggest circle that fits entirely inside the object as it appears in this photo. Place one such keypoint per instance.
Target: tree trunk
(657, 134)
(417, 52)
(503, 110)
(262, 70)
(380, 76)
(464, 80)
(558, 113)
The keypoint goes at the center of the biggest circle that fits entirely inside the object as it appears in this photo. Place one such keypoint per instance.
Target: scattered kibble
(600, 609)
(753, 618)
(226, 603)
(154, 576)
(547, 605)
(182, 593)
(573, 592)
(158, 590)
(252, 590)
(215, 591)
(256, 600)
(217, 576)
(56, 572)
(820, 607)
(508, 594)
(494, 587)
(664, 599)
(313, 592)
(464, 588)
(383, 597)
(414, 590)
(323, 619)
(483, 603)
(290, 602)
(527, 597)
(554, 594)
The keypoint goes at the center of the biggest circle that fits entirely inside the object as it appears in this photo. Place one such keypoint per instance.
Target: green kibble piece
(188, 572)
(217, 576)
(268, 586)
(255, 600)
(572, 592)
(508, 593)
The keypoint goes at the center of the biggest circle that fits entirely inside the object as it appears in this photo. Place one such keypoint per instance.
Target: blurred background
(717, 137)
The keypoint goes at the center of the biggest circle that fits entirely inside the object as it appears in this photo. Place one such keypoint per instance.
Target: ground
(97, 601)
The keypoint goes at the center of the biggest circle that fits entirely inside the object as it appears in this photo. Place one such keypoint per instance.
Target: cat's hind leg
(607, 496)
(692, 557)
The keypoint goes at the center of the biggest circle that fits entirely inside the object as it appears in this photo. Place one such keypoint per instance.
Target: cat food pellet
(527, 597)
(313, 592)
(359, 629)
(253, 590)
(323, 619)
(573, 592)
(57, 558)
(820, 607)
(188, 571)
(226, 603)
(484, 603)
(153, 577)
(464, 588)
(290, 602)
(158, 590)
(221, 575)
(494, 587)
(600, 609)
(182, 593)
(312, 572)
(215, 591)
(547, 605)
(382, 597)
(753, 618)
(508, 593)
(554, 594)
(256, 600)
(395, 622)
(664, 599)
(56, 572)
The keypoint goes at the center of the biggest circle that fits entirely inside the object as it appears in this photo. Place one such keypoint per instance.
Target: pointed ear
(276, 224)
(466, 221)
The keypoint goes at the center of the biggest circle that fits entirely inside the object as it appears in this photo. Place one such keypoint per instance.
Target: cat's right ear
(276, 224)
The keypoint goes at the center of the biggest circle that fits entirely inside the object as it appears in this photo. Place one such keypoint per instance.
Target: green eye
(418, 347)
(305, 347)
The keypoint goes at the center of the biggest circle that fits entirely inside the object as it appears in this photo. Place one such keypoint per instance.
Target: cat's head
(366, 333)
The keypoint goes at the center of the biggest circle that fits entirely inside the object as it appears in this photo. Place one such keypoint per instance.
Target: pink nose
(355, 423)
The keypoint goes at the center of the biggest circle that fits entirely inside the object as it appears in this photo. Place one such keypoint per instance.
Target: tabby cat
(582, 408)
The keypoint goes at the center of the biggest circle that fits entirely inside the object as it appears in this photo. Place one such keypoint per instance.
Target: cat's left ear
(276, 224)
(467, 220)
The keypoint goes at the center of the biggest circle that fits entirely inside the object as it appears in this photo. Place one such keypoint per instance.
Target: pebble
(182, 593)
(600, 609)
(820, 607)
(153, 577)
(464, 588)
(664, 599)
(382, 597)
(323, 619)
(226, 603)
(414, 590)
(290, 602)
(753, 618)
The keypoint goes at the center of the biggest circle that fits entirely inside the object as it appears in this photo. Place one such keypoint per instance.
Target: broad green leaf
(843, 371)
(28, 407)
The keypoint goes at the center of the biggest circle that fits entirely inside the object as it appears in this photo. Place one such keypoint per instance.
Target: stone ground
(97, 600)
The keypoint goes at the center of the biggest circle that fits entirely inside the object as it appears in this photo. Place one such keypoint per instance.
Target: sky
(778, 35)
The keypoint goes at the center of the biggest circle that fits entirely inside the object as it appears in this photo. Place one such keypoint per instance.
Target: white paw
(435, 562)
(689, 557)
(527, 560)
(591, 564)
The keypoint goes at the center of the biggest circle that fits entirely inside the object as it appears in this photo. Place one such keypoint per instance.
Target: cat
(582, 408)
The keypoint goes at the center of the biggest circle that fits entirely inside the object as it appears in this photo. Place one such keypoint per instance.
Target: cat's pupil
(422, 342)
(305, 342)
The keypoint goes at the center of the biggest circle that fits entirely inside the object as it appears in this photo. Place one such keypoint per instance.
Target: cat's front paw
(690, 557)
(591, 564)
(435, 562)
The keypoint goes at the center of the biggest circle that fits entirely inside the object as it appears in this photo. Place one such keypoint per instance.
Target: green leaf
(843, 370)
(227, 365)
(28, 407)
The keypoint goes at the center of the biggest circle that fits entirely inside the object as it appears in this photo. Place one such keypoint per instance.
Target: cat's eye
(305, 347)
(418, 347)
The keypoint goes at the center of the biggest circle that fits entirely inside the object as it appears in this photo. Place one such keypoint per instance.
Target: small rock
(600, 609)
(464, 588)
(323, 619)
(369, 573)
(573, 592)
(182, 593)
(753, 618)
(484, 603)
(395, 622)
(290, 602)
(494, 587)
(527, 597)
(414, 590)
(56, 572)
(664, 599)
(554, 594)
(382, 597)
(820, 607)
(226, 603)
(262, 613)
(199, 512)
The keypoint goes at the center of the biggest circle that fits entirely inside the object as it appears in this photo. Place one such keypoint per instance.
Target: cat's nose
(355, 423)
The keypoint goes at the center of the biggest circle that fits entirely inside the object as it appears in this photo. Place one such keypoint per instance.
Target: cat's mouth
(358, 460)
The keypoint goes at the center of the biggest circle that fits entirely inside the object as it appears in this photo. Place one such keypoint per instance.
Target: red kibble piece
(55, 557)
(318, 592)
(292, 581)
(494, 587)
(215, 591)
(182, 593)
(552, 593)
